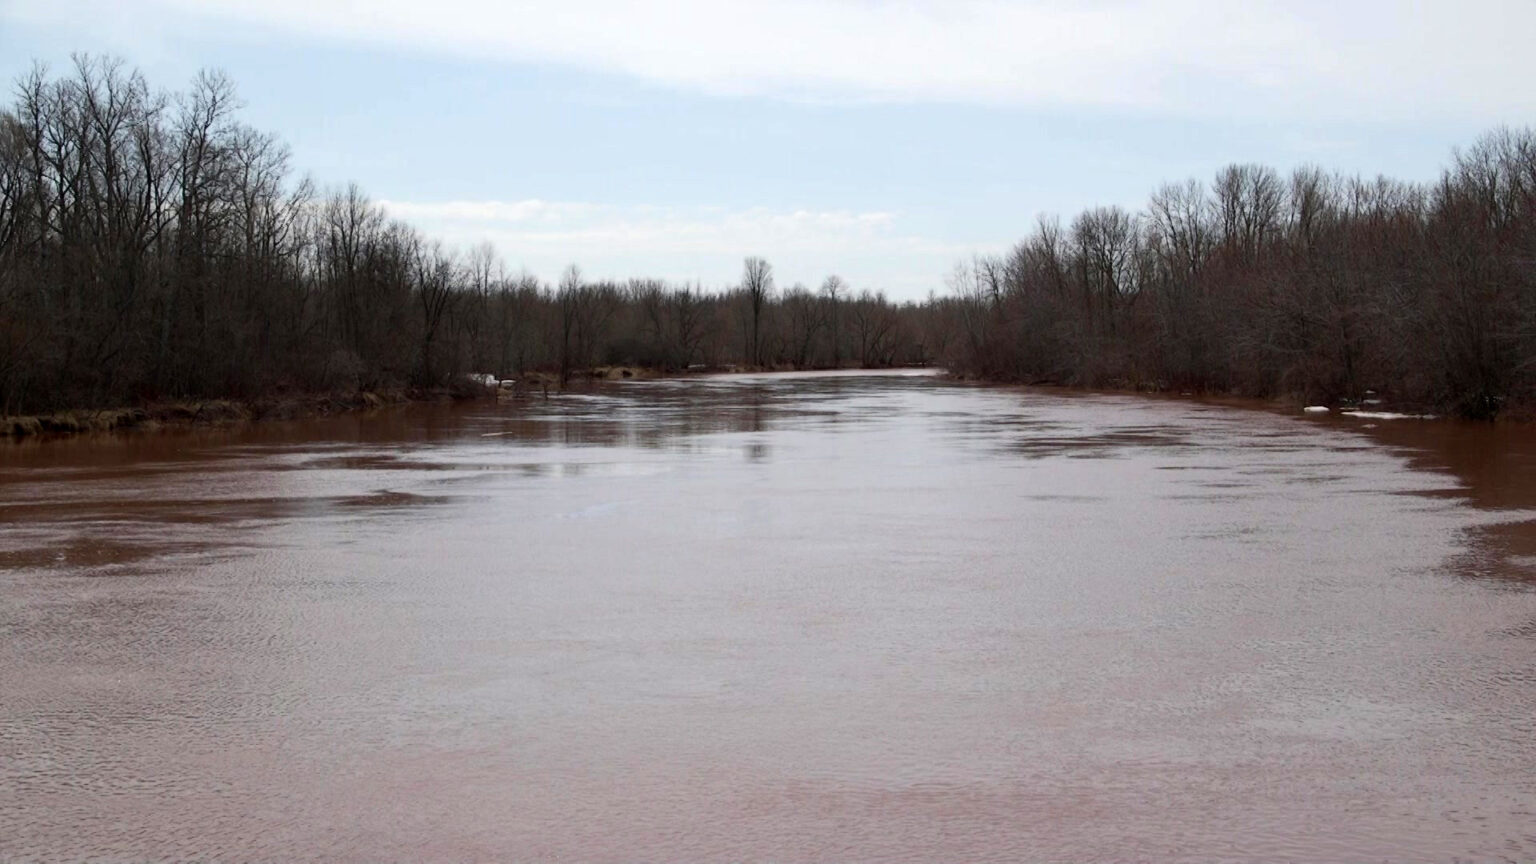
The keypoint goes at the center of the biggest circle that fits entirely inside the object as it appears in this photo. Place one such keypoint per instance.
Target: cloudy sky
(876, 139)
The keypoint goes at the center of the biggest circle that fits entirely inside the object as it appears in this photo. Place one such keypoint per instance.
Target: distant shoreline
(1290, 403)
(194, 413)
(160, 415)
(189, 414)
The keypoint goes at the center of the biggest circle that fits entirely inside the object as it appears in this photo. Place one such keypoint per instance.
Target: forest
(154, 247)
(1310, 286)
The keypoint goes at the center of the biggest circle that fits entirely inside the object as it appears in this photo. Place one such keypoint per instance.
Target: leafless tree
(757, 285)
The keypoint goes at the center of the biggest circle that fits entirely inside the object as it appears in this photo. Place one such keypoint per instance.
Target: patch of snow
(1386, 415)
(1316, 409)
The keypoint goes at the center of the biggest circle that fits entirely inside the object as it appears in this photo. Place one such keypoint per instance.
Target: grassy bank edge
(209, 412)
(182, 414)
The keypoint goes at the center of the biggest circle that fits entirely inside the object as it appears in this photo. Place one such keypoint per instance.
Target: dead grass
(214, 412)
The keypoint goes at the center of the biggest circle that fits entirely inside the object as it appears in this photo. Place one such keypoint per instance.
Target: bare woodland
(1313, 286)
(152, 247)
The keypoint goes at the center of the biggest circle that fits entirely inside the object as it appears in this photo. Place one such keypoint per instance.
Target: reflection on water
(822, 617)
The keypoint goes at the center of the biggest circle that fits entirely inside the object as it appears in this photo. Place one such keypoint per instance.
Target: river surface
(788, 618)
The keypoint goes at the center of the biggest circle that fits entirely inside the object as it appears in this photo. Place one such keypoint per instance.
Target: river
(794, 618)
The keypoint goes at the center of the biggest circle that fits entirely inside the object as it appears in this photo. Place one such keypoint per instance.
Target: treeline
(152, 246)
(1313, 285)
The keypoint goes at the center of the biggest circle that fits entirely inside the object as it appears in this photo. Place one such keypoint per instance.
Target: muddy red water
(788, 618)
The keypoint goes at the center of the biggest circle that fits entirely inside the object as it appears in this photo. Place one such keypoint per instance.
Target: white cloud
(691, 243)
(675, 229)
(529, 212)
(1279, 58)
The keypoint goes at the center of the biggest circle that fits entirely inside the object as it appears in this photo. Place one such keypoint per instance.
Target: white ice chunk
(1386, 415)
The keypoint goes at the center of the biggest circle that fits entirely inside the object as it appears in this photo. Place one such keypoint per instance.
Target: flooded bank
(798, 618)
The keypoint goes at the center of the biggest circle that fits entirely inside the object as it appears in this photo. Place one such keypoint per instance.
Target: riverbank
(181, 414)
(216, 412)
(209, 412)
(1371, 405)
